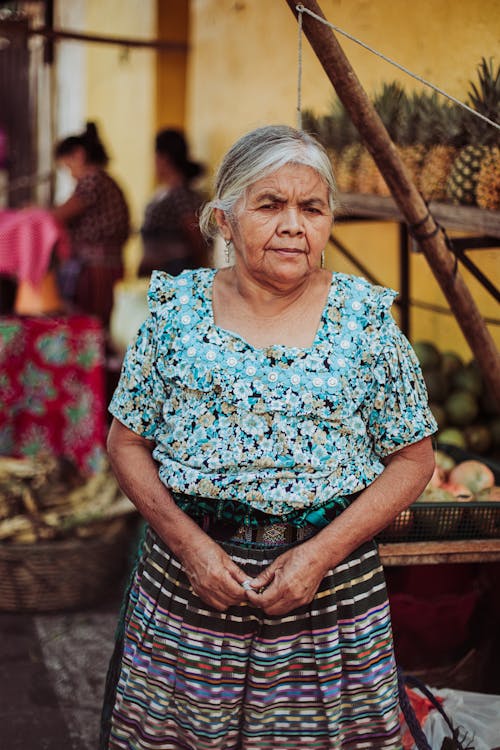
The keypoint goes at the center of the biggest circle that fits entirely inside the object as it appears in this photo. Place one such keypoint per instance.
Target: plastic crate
(431, 521)
(444, 520)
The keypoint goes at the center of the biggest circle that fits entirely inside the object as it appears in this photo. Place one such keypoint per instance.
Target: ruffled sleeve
(396, 412)
(141, 392)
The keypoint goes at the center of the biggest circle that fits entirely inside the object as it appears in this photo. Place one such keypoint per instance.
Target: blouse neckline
(224, 333)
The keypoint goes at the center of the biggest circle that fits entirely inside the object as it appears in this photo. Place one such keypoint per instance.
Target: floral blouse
(105, 220)
(280, 429)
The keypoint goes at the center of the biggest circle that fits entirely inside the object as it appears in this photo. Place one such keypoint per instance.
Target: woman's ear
(223, 224)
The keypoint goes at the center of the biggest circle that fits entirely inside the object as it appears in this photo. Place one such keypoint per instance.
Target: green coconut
(461, 408)
(468, 378)
(436, 384)
(450, 363)
(427, 354)
(452, 436)
(478, 438)
(439, 414)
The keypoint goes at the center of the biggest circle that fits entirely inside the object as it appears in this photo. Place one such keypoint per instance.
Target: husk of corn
(44, 499)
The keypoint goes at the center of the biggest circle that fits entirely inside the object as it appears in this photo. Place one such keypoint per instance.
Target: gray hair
(258, 154)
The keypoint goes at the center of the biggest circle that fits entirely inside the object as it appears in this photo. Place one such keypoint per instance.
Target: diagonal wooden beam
(409, 200)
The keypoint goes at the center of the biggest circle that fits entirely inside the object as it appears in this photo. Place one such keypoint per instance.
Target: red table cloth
(52, 388)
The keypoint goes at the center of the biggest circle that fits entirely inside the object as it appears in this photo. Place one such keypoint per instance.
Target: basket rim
(115, 528)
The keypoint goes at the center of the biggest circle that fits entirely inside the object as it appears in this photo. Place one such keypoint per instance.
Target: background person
(171, 236)
(270, 420)
(97, 218)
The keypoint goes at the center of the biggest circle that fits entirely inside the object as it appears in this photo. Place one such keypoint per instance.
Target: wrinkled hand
(291, 581)
(214, 577)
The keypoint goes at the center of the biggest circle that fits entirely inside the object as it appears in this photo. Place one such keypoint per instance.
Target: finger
(265, 578)
(266, 598)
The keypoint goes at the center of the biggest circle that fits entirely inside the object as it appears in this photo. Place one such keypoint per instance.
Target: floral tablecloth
(52, 388)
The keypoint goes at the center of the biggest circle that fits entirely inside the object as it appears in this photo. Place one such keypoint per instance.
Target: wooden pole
(410, 202)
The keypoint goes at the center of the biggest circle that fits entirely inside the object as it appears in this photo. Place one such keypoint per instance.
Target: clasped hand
(289, 582)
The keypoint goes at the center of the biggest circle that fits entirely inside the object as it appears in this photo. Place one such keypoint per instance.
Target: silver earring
(227, 251)
(323, 259)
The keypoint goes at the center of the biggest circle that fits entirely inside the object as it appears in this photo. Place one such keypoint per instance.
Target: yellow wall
(171, 78)
(120, 97)
(243, 73)
(132, 93)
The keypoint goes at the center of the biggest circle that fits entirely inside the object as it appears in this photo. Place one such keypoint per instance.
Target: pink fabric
(27, 239)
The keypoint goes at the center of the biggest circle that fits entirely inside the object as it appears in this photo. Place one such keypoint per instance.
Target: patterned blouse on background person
(170, 232)
(97, 218)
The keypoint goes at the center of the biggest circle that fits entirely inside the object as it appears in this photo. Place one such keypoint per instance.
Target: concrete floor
(52, 673)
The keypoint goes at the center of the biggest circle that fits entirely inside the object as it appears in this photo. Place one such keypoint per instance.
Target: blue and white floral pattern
(279, 428)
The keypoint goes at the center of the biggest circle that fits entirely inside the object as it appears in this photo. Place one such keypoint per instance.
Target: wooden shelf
(433, 553)
(463, 218)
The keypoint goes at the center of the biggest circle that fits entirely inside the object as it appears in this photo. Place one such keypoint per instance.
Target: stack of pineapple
(475, 175)
(451, 154)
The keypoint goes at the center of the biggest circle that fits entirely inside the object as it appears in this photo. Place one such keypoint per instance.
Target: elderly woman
(269, 421)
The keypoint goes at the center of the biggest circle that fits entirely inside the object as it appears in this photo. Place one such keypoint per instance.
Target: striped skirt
(194, 678)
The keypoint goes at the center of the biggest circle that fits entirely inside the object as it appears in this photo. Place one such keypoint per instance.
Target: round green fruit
(439, 414)
(436, 384)
(478, 438)
(450, 363)
(461, 408)
(468, 378)
(452, 436)
(427, 354)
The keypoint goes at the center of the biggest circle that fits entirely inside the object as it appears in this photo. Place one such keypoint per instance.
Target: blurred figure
(172, 240)
(97, 218)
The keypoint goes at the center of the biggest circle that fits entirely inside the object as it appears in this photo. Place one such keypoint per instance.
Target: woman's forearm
(214, 576)
(406, 474)
(137, 474)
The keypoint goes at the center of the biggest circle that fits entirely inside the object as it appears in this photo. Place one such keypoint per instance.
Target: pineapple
(365, 173)
(338, 134)
(462, 182)
(488, 181)
(444, 136)
(435, 170)
(412, 132)
(388, 104)
(482, 137)
(347, 168)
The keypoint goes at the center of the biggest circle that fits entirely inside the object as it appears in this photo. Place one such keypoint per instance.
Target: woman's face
(281, 226)
(75, 162)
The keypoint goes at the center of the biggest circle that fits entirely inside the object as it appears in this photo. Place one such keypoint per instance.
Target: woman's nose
(291, 221)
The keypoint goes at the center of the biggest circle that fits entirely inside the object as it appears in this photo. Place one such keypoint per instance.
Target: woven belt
(276, 533)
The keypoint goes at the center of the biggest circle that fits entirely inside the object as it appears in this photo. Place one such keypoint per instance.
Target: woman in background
(171, 236)
(97, 218)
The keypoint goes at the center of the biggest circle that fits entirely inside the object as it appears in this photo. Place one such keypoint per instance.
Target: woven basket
(64, 575)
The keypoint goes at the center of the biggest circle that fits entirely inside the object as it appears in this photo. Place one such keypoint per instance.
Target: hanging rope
(299, 76)
(301, 10)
